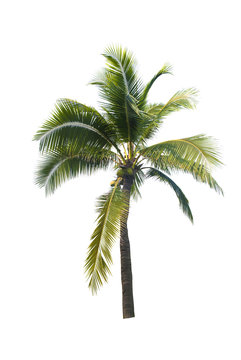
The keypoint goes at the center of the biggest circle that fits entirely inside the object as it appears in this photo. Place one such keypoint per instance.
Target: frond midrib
(76, 124)
(54, 169)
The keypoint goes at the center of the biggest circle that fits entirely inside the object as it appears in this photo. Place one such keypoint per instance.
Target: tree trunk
(126, 273)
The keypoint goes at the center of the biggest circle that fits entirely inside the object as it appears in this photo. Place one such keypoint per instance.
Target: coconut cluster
(124, 171)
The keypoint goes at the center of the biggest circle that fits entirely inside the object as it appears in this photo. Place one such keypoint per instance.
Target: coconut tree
(78, 139)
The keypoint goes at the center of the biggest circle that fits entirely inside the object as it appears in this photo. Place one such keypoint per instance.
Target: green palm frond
(82, 107)
(153, 109)
(121, 64)
(75, 122)
(120, 89)
(57, 167)
(153, 122)
(183, 202)
(137, 182)
(183, 99)
(155, 113)
(197, 155)
(166, 69)
(97, 266)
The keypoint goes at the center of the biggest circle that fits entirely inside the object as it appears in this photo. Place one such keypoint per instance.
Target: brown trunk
(126, 274)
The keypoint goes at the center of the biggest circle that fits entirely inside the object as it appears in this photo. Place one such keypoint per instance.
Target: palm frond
(183, 99)
(166, 69)
(121, 64)
(137, 182)
(197, 155)
(153, 122)
(97, 266)
(183, 202)
(66, 163)
(75, 122)
(120, 89)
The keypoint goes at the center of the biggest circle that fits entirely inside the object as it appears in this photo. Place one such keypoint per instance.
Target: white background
(186, 277)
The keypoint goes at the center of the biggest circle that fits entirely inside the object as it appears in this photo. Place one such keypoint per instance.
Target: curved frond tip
(183, 201)
(166, 69)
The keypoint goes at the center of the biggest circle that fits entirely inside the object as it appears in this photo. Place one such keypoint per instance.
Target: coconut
(120, 173)
(129, 171)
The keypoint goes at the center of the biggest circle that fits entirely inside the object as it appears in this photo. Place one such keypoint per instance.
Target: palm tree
(78, 139)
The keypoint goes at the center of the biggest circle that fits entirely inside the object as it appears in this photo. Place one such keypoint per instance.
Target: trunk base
(129, 315)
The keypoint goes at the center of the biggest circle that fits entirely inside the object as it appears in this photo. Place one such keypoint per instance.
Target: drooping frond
(137, 182)
(166, 69)
(97, 266)
(197, 155)
(57, 167)
(75, 122)
(183, 202)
